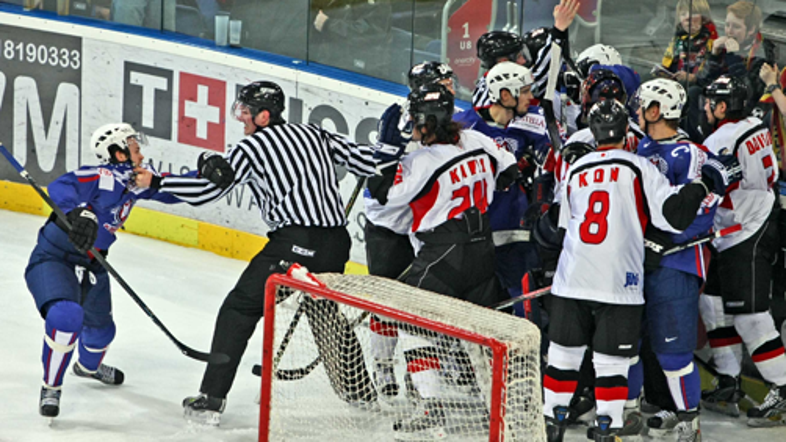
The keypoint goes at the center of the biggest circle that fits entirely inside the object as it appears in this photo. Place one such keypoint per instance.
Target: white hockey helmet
(669, 94)
(597, 54)
(507, 75)
(110, 138)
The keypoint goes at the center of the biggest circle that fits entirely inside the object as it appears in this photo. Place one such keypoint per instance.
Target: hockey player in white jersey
(386, 232)
(609, 199)
(448, 184)
(736, 306)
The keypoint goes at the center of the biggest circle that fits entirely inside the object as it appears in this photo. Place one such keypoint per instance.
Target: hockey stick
(521, 298)
(547, 103)
(707, 238)
(358, 188)
(212, 358)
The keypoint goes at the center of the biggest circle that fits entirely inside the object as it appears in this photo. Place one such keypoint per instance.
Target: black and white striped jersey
(290, 170)
(540, 72)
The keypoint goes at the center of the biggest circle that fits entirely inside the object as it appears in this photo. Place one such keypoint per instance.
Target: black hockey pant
(318, 249)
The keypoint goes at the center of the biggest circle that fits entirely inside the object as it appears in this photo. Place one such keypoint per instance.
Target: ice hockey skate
(427, 423)
(688, 427)
(555, 426)
(631, 431)
(772, 412)
(725, 398)
(203, 409)
(105, 374)
(603, 432)
(385, 379)
(662, 424)
(582, 408)
(49, 405)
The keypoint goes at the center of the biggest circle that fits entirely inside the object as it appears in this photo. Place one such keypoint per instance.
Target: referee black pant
(318, 249)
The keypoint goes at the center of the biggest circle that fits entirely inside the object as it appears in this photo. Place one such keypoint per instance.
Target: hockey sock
(93, 345)
(683, 379)
(63, 322)
(561, 376)
(611, 386)
(725, 343)
(764, 344)
(384, 337)
(423, 364)
(635, 378)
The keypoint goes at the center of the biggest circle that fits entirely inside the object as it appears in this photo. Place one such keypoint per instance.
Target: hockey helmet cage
(601, 84)
(534, 41)
(668, 94)
(573, 151)
(597, 54)
(496, 44)
(431, 100)
(111, 138)
(730, 90)
(608, 122)
(259, 96)
(429, 72)
(507, 75)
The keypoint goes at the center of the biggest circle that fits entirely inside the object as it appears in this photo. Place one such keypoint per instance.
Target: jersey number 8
(595, 226)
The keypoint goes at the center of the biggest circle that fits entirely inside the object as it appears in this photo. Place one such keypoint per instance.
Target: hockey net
(320, 384)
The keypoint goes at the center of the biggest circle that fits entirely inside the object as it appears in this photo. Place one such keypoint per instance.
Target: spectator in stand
(352, 35)
(147, 13)
(691, 44)
(739, 53)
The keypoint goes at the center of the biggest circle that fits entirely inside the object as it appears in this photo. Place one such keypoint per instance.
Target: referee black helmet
(260, 96)
(496, 44)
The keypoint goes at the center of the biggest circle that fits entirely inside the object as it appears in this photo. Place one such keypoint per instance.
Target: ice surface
(184, 287)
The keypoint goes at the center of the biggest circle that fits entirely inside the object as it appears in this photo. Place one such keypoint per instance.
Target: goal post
(331, 393)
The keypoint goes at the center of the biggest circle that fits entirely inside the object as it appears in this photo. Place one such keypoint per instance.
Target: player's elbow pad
(681, 209)
(379, 185)
(507, 177)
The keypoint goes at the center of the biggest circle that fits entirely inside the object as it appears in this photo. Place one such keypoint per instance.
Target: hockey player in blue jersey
(672, 283)
(70, 288)
(525, 136)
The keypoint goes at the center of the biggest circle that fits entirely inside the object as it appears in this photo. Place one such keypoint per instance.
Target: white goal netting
(461, 372)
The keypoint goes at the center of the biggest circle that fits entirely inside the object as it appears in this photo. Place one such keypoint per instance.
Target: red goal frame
(499, 349)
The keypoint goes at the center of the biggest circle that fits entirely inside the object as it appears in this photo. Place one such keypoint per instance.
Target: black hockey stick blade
(358, 188)
(213, 358)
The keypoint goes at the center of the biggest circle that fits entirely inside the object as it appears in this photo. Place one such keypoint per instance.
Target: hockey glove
(385, 154)
(720, 172)
(216, 169)
(84, 228)
(388, 128)
(656, 242)
(527, 168)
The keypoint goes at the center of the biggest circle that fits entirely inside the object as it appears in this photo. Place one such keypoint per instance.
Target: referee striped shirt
(540, 71)
(290, 169)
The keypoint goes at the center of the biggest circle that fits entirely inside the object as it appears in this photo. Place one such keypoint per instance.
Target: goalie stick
(212, 358)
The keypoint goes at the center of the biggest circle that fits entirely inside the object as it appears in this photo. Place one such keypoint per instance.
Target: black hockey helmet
(495, 44)
(573, 151)
(431, 100)
(259, 96)
(534, 41)
(730, 90)
(608, 122)
(601, 84)
(429, 72)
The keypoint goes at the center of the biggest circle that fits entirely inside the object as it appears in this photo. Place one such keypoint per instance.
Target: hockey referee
(290, 169)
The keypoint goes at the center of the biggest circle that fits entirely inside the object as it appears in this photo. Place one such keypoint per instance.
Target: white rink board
(185, 288)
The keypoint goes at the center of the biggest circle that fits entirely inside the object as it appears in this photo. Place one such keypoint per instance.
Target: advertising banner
(181, 103)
